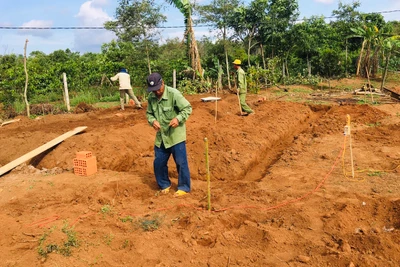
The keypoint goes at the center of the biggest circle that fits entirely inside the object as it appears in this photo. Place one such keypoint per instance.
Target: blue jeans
(162, 155)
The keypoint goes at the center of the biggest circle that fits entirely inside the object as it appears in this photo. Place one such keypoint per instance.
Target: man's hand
(156, 125)
(174, 123)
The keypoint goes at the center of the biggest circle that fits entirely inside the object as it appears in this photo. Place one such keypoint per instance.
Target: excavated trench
(269, 155)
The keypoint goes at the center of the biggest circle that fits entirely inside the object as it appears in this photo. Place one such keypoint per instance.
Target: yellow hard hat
(237, 62)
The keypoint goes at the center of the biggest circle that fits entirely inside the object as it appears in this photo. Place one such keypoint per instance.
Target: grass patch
(106, 105)
(48, 242)
(301, 90)
(84, 97)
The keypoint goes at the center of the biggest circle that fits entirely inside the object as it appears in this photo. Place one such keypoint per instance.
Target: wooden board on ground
(8, 122)
(210, 98)
(39, 150)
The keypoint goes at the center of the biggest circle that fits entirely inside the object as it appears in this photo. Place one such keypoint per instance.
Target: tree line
(275, 46)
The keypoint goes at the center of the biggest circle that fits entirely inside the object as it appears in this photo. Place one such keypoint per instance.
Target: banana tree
(369, 35)
(185, 8)
(390, 46)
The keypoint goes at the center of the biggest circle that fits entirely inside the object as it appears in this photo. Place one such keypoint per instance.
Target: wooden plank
(8, 122)
(39, 150)
(210, 98)
(391, 93)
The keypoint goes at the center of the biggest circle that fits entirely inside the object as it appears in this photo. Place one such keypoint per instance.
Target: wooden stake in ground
(39, 150)
(28, 111)
(208, 177)
(66, 94)
(351, 148)
(369, 86)
(216, 104)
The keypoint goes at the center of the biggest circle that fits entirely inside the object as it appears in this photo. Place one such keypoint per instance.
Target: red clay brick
(85, 171)
(78, 162)
(84, 154)
(85, 167)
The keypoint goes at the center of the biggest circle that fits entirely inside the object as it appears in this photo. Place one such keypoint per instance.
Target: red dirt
(282, 191)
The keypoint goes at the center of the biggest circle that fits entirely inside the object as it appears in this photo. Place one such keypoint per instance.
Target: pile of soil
(287, 188)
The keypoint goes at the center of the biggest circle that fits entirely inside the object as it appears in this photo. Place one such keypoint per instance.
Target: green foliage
(136, 20)
(189, 86)
(257, 78)
(304, 80)
(330, 63)
(46, 98)
(19, 107)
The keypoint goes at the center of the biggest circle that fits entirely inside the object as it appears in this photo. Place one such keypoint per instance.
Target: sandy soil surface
(282, 188)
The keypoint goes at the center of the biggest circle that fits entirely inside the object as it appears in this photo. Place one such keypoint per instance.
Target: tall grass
(85, 97)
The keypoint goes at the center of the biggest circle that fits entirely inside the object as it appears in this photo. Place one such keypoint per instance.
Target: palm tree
(185, 8)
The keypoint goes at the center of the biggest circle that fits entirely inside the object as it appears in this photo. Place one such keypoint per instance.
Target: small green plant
(96, 260)
(33, 183)
(125, 244)
(72, 240)
(375, 173)
(106, 209)
(108, 239)
(377, 124)
(64, 249)
(150, 225)
(41, 249)
(126, 219)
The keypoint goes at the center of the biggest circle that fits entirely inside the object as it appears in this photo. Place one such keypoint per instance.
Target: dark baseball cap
(154, 82)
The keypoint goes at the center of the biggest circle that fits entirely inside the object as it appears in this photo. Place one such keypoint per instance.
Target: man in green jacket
(242, 86)
(167, 112)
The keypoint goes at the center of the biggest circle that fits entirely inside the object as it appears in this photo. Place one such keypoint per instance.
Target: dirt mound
(282, 189)
(83, 107)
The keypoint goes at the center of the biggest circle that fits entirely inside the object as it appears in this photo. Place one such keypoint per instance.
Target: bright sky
(81, 13)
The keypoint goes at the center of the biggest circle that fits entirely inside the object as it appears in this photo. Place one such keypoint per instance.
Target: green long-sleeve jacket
(242, 83)
(171, 105)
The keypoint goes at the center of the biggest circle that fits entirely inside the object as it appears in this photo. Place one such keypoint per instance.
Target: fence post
(66, 95)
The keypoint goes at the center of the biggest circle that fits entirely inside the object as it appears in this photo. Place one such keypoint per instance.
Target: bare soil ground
(282, 188)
